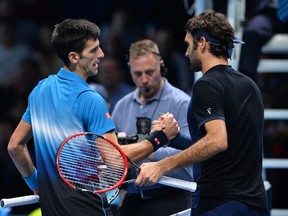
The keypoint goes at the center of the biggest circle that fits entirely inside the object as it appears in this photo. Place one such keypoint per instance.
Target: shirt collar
(65, 74)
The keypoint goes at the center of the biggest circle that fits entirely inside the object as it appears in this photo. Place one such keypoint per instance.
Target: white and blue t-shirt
(59, 106)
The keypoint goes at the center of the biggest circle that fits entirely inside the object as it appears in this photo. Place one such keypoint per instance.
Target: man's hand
(149, 174)
(36, 192)
(167, 124)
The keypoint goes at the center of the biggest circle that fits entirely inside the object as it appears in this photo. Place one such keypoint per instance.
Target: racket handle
(19, 201)
(178, 183)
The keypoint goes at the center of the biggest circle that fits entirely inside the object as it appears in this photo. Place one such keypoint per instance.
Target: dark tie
(282, 11)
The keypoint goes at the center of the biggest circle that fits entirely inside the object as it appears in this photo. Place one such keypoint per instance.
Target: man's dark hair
(215, 28)
(71, 36)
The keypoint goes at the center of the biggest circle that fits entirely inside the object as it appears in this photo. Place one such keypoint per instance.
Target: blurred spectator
(45, 53)
(262, 23)
(169, 15)
(179, 73)
(28, 78)
(11, 53)
(14, 102)
(111, 76)
(113, 47)
(7, 9)
(117, 34)
(31, 14)
(122, 24)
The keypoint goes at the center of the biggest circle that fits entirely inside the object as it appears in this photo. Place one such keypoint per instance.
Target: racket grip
(178, 183)
(19, 201)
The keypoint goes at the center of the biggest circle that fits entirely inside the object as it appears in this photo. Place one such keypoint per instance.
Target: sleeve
(26, 116)
(94, 113)
(207, 102)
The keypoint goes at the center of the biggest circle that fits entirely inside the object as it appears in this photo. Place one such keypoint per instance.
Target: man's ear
(73, 57)
(202, 42)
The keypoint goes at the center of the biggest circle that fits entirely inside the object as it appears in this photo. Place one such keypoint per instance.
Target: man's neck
(211, 62)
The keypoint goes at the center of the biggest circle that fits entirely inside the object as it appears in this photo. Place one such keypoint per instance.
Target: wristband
(32, 181)
(157, 139)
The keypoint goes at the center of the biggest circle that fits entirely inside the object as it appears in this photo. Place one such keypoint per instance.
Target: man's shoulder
(123, 102)
(43, 83)
(126, 98)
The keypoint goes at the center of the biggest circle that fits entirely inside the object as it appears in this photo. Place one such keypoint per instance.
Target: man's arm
(18, 151)
(20, 155)
(214, 142)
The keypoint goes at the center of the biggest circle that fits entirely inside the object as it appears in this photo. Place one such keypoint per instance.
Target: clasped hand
(151, 172)
(167, 124)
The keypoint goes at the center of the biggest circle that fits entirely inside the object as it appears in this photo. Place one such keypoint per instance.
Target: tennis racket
(90, 162)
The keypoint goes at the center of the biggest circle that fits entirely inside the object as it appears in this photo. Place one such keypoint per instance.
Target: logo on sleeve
(108, 116)
(209, 111)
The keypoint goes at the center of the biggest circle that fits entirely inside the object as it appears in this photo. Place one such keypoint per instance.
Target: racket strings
(91, 160)
(90, 165)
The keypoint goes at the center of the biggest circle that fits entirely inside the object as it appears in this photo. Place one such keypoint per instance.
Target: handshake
(165, 125)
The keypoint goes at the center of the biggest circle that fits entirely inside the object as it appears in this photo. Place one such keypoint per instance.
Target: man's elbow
(221, 144)
(12, 148)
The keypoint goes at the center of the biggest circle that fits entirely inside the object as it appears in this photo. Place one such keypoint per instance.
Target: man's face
(90, 57)
(146, 74)
(192, 54)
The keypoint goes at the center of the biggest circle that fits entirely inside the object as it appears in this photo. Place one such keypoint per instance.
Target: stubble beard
(195, 65)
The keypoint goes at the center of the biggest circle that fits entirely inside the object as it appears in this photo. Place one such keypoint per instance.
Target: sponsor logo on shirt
(209, 111)
(108, 116)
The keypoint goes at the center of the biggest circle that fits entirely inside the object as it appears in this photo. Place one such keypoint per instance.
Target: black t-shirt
(235, 174)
